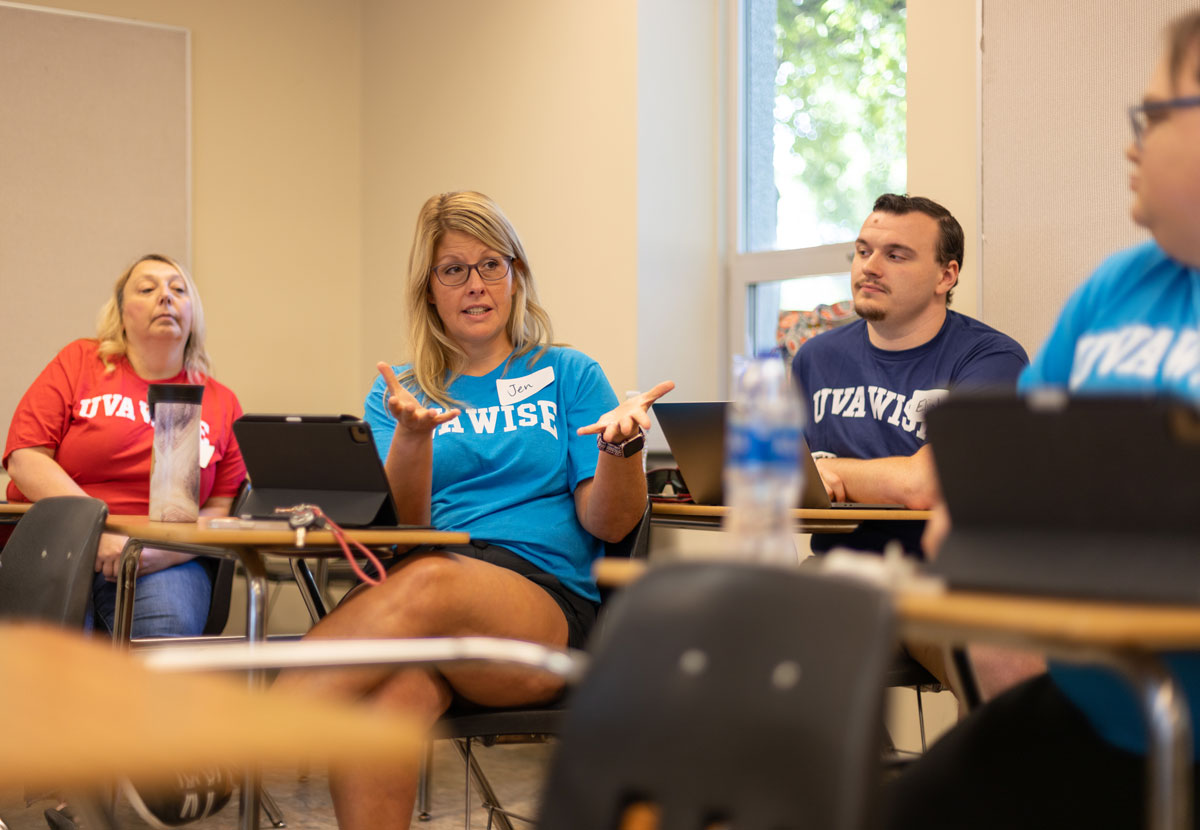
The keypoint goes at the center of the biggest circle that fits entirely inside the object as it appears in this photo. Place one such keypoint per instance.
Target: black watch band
(625, 448)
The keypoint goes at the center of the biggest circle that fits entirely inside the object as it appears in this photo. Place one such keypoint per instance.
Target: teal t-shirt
(1132, 329)
(505, 470)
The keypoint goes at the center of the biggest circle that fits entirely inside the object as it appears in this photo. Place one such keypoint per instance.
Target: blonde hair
(110, 327)
(436, 359)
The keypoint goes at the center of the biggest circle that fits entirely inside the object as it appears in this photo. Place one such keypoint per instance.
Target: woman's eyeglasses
(492, 269)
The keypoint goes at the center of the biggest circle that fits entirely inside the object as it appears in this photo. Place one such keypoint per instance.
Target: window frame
(751, 277)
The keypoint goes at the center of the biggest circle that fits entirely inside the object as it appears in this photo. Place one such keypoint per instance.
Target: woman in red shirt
(83, 428)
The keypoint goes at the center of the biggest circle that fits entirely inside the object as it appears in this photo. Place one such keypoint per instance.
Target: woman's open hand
(621, 424)
(409, 414)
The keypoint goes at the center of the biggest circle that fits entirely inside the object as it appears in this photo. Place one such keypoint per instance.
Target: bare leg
(434, 595)
(383, 796)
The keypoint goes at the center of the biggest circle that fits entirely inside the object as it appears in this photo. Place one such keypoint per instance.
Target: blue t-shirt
(1132, 328)
(505, 470)
(867, 402)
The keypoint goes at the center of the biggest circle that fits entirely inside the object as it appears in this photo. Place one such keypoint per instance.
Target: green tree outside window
(840, 94)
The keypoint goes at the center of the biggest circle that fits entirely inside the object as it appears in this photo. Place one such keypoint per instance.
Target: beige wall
(943, 141)
(533, 103)
(276, 164)
(1056, 179)
(680, 224)
(321, 125)
(81, 192)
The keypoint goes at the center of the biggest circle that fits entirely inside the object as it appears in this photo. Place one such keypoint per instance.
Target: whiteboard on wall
(1057, 80)
(94, 172)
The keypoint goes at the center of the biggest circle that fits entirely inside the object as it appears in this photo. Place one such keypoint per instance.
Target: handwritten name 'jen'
(519, 389)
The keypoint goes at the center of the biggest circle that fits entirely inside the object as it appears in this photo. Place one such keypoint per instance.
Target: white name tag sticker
(923, 400)
(511, 390)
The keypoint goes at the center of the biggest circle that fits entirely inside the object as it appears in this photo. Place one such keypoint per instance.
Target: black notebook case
(326, 460)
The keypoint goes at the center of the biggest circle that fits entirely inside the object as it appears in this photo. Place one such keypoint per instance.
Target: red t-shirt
(98, 424)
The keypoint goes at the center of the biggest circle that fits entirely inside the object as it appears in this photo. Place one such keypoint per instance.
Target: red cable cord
(344, 544)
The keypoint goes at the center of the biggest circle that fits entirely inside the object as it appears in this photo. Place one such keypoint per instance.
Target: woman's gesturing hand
(408, 412)
(621, 424)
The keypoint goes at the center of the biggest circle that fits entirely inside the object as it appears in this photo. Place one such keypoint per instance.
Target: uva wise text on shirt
(507, 417)
(906, 411)
(1138, 352)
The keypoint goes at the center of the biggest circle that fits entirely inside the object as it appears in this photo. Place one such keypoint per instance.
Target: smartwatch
(625, 448)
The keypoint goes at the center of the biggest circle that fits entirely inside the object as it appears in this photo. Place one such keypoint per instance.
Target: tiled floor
(514, 770)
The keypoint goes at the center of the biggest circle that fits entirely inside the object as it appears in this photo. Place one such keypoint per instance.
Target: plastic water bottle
(762, 467)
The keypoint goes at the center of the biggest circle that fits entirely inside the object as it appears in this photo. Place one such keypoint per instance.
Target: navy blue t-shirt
(867, 402)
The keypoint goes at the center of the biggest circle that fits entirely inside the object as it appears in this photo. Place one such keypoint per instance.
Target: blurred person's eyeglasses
(492, 269)
(1144, 116)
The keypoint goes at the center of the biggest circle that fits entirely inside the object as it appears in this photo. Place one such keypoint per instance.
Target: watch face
(633, 445)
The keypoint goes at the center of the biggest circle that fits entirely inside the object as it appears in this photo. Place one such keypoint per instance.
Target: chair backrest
(728, 692)
(221, 571)
(47, 567)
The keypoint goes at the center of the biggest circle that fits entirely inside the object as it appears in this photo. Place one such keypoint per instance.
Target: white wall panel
(94, 155)
(1056, 81)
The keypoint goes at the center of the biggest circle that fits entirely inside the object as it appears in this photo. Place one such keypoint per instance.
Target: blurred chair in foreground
(728, 694)
(46, 569)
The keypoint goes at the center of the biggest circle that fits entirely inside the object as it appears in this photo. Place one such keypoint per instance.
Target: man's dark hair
(950, 233)
(1183, 38)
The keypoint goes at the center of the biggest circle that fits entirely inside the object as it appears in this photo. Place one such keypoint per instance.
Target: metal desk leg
(256, 594)
(1169, 745)
(256, 630)
(423, 813)
(1170, 753)
(309, 592)
(274, 814)
(131, 560)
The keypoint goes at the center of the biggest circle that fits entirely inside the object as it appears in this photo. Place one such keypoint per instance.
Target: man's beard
(872, 314)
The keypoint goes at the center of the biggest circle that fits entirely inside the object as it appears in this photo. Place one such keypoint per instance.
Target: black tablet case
(1088, 497)
(330, 461)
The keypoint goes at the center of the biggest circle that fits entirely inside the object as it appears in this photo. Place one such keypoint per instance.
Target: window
(821, 93)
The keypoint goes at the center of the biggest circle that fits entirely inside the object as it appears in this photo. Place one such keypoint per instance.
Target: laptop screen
(695, 433)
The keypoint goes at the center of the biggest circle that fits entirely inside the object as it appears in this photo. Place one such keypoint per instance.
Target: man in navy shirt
(869, 384)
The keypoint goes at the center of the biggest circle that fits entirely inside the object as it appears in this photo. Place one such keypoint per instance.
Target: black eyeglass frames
(492, 269)
(1145, 115)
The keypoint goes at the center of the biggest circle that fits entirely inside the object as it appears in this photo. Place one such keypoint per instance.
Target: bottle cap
(173, 393)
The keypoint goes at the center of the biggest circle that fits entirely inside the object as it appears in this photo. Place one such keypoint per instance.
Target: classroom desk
(1126, 636)
(808, 520)
(117, 717)
(246, 546)
(11, 512)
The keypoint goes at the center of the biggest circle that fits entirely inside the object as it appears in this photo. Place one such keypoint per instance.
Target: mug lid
(174, 393)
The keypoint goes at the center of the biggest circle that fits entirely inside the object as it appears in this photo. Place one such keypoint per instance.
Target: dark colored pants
(1028, 759)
